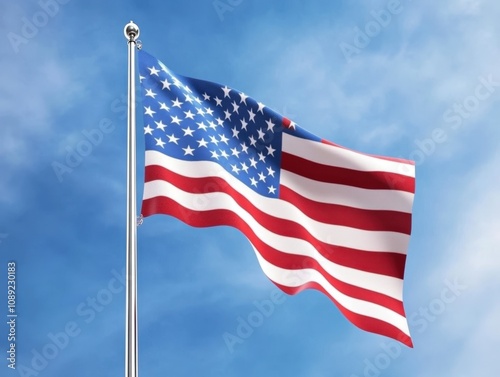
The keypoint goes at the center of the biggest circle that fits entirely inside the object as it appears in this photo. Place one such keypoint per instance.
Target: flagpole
(131, 32)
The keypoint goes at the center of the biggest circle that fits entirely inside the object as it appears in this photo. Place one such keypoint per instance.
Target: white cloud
(479, 355)
(475, 246)
(383, 135)
(468, 329)
(31, 100)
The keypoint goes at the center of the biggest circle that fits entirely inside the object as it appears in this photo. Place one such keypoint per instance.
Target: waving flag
(317, 215)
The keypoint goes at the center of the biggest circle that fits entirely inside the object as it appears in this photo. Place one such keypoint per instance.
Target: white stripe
(296, 278)
(288, 245)
(376, 241)
(335, 156)
(389, 200)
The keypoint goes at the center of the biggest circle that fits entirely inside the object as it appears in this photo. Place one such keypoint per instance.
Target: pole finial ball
(131, 31)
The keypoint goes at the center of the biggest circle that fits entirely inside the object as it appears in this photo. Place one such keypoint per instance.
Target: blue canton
(197, 120)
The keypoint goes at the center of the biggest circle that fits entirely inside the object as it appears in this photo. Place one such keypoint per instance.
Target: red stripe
(283, 260)
(389, 221)
(370, 324)
(393, 159)
(384, 263)
(375, 180)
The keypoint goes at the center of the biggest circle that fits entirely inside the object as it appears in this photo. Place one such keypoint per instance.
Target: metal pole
(131, 352)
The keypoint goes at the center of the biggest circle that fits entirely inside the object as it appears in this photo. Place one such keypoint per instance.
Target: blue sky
(423, 84)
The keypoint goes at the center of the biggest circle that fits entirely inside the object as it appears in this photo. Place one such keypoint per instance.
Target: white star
(244, 167)
(244, 148)
(218, 101)
(159, 142)
(187, 89)
(270, 171)
(166, 84)
(149, 111)
(148, 130)
(243, 98)
(141, 78)
(270, 124)
(214, 140)
(262, 157)
(261, 134)
(177, 103)
(272, 190)
(226, 91)
(223, 139)
(253, 163)
(188, 150)
(153, 71)
(188, 131)
(253, 181)
(163, 67)
(206, 97)
(220, 122)
(214, 155)
(198, 101)
(160, 125)
(224, 154)
(188, 98)
(202, 143)
(235, 132)
(172, 139)
(150, 93)
(212, 125)
(252, 115)
(202, 126)
(209, 111)
(189, 114)
(252, 141)
(235, 152)
(200, 111)
(176, 120)
(235, 107)
(227, 114)
(244, 124)
(292, 125)
(163, 106)
(177, 83)
(235, 169)
(262, 177)
(270, 150)
(261, 107)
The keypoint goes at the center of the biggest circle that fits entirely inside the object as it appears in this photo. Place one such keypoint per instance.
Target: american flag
(317, 215)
